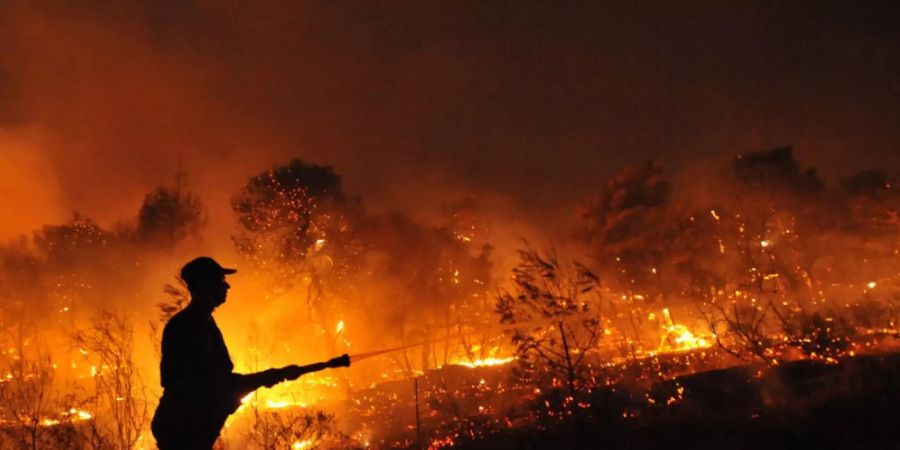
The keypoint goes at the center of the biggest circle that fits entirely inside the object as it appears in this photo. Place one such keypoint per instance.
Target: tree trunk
(569, 369)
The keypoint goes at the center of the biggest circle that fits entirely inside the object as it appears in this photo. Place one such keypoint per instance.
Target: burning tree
(555, 311)
(776, 231)
(419, 276)
(21, 278)
(168, 216)
(295, 428)
(32, 411)
(874, 200)
(648, 245)
(24, 401)
(473, 279)
(625, 227)
(295, 225)
(78, 240)
(69, 253)
(119, 395)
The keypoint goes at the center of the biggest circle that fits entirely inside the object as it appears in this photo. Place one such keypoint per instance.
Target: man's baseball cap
(203, 268)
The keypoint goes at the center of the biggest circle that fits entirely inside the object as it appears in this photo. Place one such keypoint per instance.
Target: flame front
(485, 362)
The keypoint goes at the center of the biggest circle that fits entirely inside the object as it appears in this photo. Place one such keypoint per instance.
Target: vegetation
(758, 274)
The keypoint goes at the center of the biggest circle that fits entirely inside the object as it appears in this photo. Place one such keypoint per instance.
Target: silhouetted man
(200, 389)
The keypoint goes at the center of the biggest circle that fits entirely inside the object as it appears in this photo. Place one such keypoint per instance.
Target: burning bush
(556, 310)
(295, 429)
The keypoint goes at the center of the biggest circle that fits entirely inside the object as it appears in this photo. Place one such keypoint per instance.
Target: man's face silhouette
(213, 291)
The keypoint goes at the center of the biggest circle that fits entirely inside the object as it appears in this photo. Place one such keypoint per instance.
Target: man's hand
(271, 377)
(294, 371)
(340, 361)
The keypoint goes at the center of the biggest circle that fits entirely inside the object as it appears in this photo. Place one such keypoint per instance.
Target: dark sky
(530, 105)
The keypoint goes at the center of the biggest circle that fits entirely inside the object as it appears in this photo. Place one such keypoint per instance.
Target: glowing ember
(340, 327)
(485, 362)
(72, 415)
(279, 404)
(297, 445)
(686, 340)
(49, 422)
(679, 338)
(82, 414)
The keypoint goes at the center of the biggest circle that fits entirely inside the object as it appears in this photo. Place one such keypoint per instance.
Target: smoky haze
(529, 105)
(411, 146)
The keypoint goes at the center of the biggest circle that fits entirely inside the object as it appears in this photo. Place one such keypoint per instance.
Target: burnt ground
(854, 404)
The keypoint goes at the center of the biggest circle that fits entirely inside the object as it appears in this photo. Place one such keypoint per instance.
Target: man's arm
(294, 371)
(271, 377)
(243, 384)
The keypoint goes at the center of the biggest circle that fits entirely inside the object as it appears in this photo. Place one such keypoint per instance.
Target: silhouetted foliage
(179, 297)
(295, 428)
(20, 276)
(872, 183)
(419, 276)
(294, 220)
(873, 198)
(625, 226)
(776, 170)
(81, 239)
(298, 229)
(119, 400)
(558, 310)
(35, 413)
(168, 216)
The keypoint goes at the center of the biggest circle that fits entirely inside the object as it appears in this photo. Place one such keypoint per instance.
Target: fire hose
(354, 358)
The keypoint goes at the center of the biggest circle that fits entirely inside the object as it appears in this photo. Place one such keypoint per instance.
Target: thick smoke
(128, 133)
(525, 103)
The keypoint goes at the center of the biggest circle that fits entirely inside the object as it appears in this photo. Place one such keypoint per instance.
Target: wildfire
(685, 339)
(81, 414)
(280, 404)
(271, 401)
(486, 357)
(485, 362)
(679, 338)
(72, 415)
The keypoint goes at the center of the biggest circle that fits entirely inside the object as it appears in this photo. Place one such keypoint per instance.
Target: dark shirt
(195, 362)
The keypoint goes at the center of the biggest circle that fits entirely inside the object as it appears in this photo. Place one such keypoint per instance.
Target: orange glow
(486, 362)
(679, 338)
